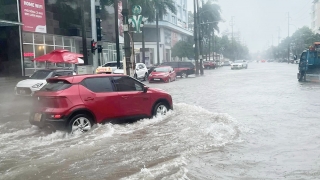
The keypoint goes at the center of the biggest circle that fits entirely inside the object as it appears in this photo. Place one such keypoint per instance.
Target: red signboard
(28, 54)
(33, 15)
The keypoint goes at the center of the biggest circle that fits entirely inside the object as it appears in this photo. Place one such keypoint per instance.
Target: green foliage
(210, 13)
(235, 50)
(182, 49)
(298, 42)
(149, 7)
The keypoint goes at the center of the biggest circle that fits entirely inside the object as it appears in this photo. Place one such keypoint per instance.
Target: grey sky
(259, 20)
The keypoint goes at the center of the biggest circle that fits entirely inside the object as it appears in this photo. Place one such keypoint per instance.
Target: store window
(49, 49)
(27, 38)
(28, 56)
(38, 39)
(67, 41)
(49, 40)
(58, 41)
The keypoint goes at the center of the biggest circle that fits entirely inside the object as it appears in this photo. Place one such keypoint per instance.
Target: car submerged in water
(76, 103)
(162, 74)
(239, 64)
(37, 80)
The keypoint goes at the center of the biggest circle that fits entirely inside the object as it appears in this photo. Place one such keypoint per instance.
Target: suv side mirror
(145, 89)
(295, 57)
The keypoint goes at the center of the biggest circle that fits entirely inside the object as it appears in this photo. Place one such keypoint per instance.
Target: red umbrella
(59, 56)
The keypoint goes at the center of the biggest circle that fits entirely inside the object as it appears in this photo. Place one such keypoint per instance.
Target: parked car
(226, 63)
(37, 80)
(162, 74)
(218, 63)
(209, 64)
(239, 64)
(107, 68)
(140, 72)
(76, 103)
(182, 68)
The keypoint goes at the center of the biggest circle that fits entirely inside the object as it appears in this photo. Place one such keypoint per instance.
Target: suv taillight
(52, 102)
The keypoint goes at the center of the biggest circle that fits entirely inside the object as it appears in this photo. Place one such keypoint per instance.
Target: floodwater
(255, 123)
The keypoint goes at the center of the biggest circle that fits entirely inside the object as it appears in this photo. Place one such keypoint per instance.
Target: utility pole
(143, 47)
(288, 37)
(210, 45)
(94, 32)
(200, 40)
(125, 14)
(157, 27)
(195, 32)
(232, 39)
(84, 35)
(116, 19)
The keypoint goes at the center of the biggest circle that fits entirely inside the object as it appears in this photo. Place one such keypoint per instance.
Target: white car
(141, 71)
(239, 64)
(37, 80)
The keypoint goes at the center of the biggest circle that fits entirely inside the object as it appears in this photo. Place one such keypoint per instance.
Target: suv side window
(59, 73)
(67, 73)
(125, 83)
(98, 84)
(187, 64)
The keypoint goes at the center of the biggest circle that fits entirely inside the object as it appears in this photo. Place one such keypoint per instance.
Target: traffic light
(93, 46)
(99, 29)
(100, 48)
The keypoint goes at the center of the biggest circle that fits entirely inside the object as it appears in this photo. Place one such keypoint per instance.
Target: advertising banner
(33, 15)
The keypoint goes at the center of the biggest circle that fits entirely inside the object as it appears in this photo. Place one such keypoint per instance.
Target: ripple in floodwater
(149, 148)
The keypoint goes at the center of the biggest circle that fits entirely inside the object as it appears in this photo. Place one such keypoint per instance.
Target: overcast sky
(259, 20)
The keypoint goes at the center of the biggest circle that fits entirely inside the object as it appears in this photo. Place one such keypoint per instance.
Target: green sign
(137, 19)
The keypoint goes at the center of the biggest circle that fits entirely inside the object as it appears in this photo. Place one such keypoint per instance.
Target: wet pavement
(256, 123)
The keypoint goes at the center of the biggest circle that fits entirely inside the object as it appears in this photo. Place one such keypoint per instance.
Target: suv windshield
(164, 69)
(41, 74)
(56, 85)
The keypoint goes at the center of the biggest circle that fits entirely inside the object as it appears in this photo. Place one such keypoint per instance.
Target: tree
(148, 7)
(224, 46)
(182, 49)
(300, 40)
(210, 15)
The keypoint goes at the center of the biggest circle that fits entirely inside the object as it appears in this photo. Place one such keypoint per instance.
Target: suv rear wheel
(80, 123)
(184, 74)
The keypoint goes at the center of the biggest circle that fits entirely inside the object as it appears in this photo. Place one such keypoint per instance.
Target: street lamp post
(125, 14)
(196, 48)
(157, 27)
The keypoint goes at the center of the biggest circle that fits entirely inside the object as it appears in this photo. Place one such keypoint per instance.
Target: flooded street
(255, 123)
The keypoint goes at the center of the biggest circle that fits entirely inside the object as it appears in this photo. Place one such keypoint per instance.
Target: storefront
(31, 28)
(36, 44)
(10, 39)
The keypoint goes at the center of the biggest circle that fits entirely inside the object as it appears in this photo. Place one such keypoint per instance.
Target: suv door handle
(89, 99)
(125, 97)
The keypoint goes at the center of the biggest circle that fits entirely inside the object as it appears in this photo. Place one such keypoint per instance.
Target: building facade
(315, 16)
(31, 28)
(173, 28)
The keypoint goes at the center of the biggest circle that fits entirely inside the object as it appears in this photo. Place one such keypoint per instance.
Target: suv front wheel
(160, 109)
(80, 123)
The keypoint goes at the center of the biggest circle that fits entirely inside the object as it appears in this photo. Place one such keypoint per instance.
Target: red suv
(76, 103)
